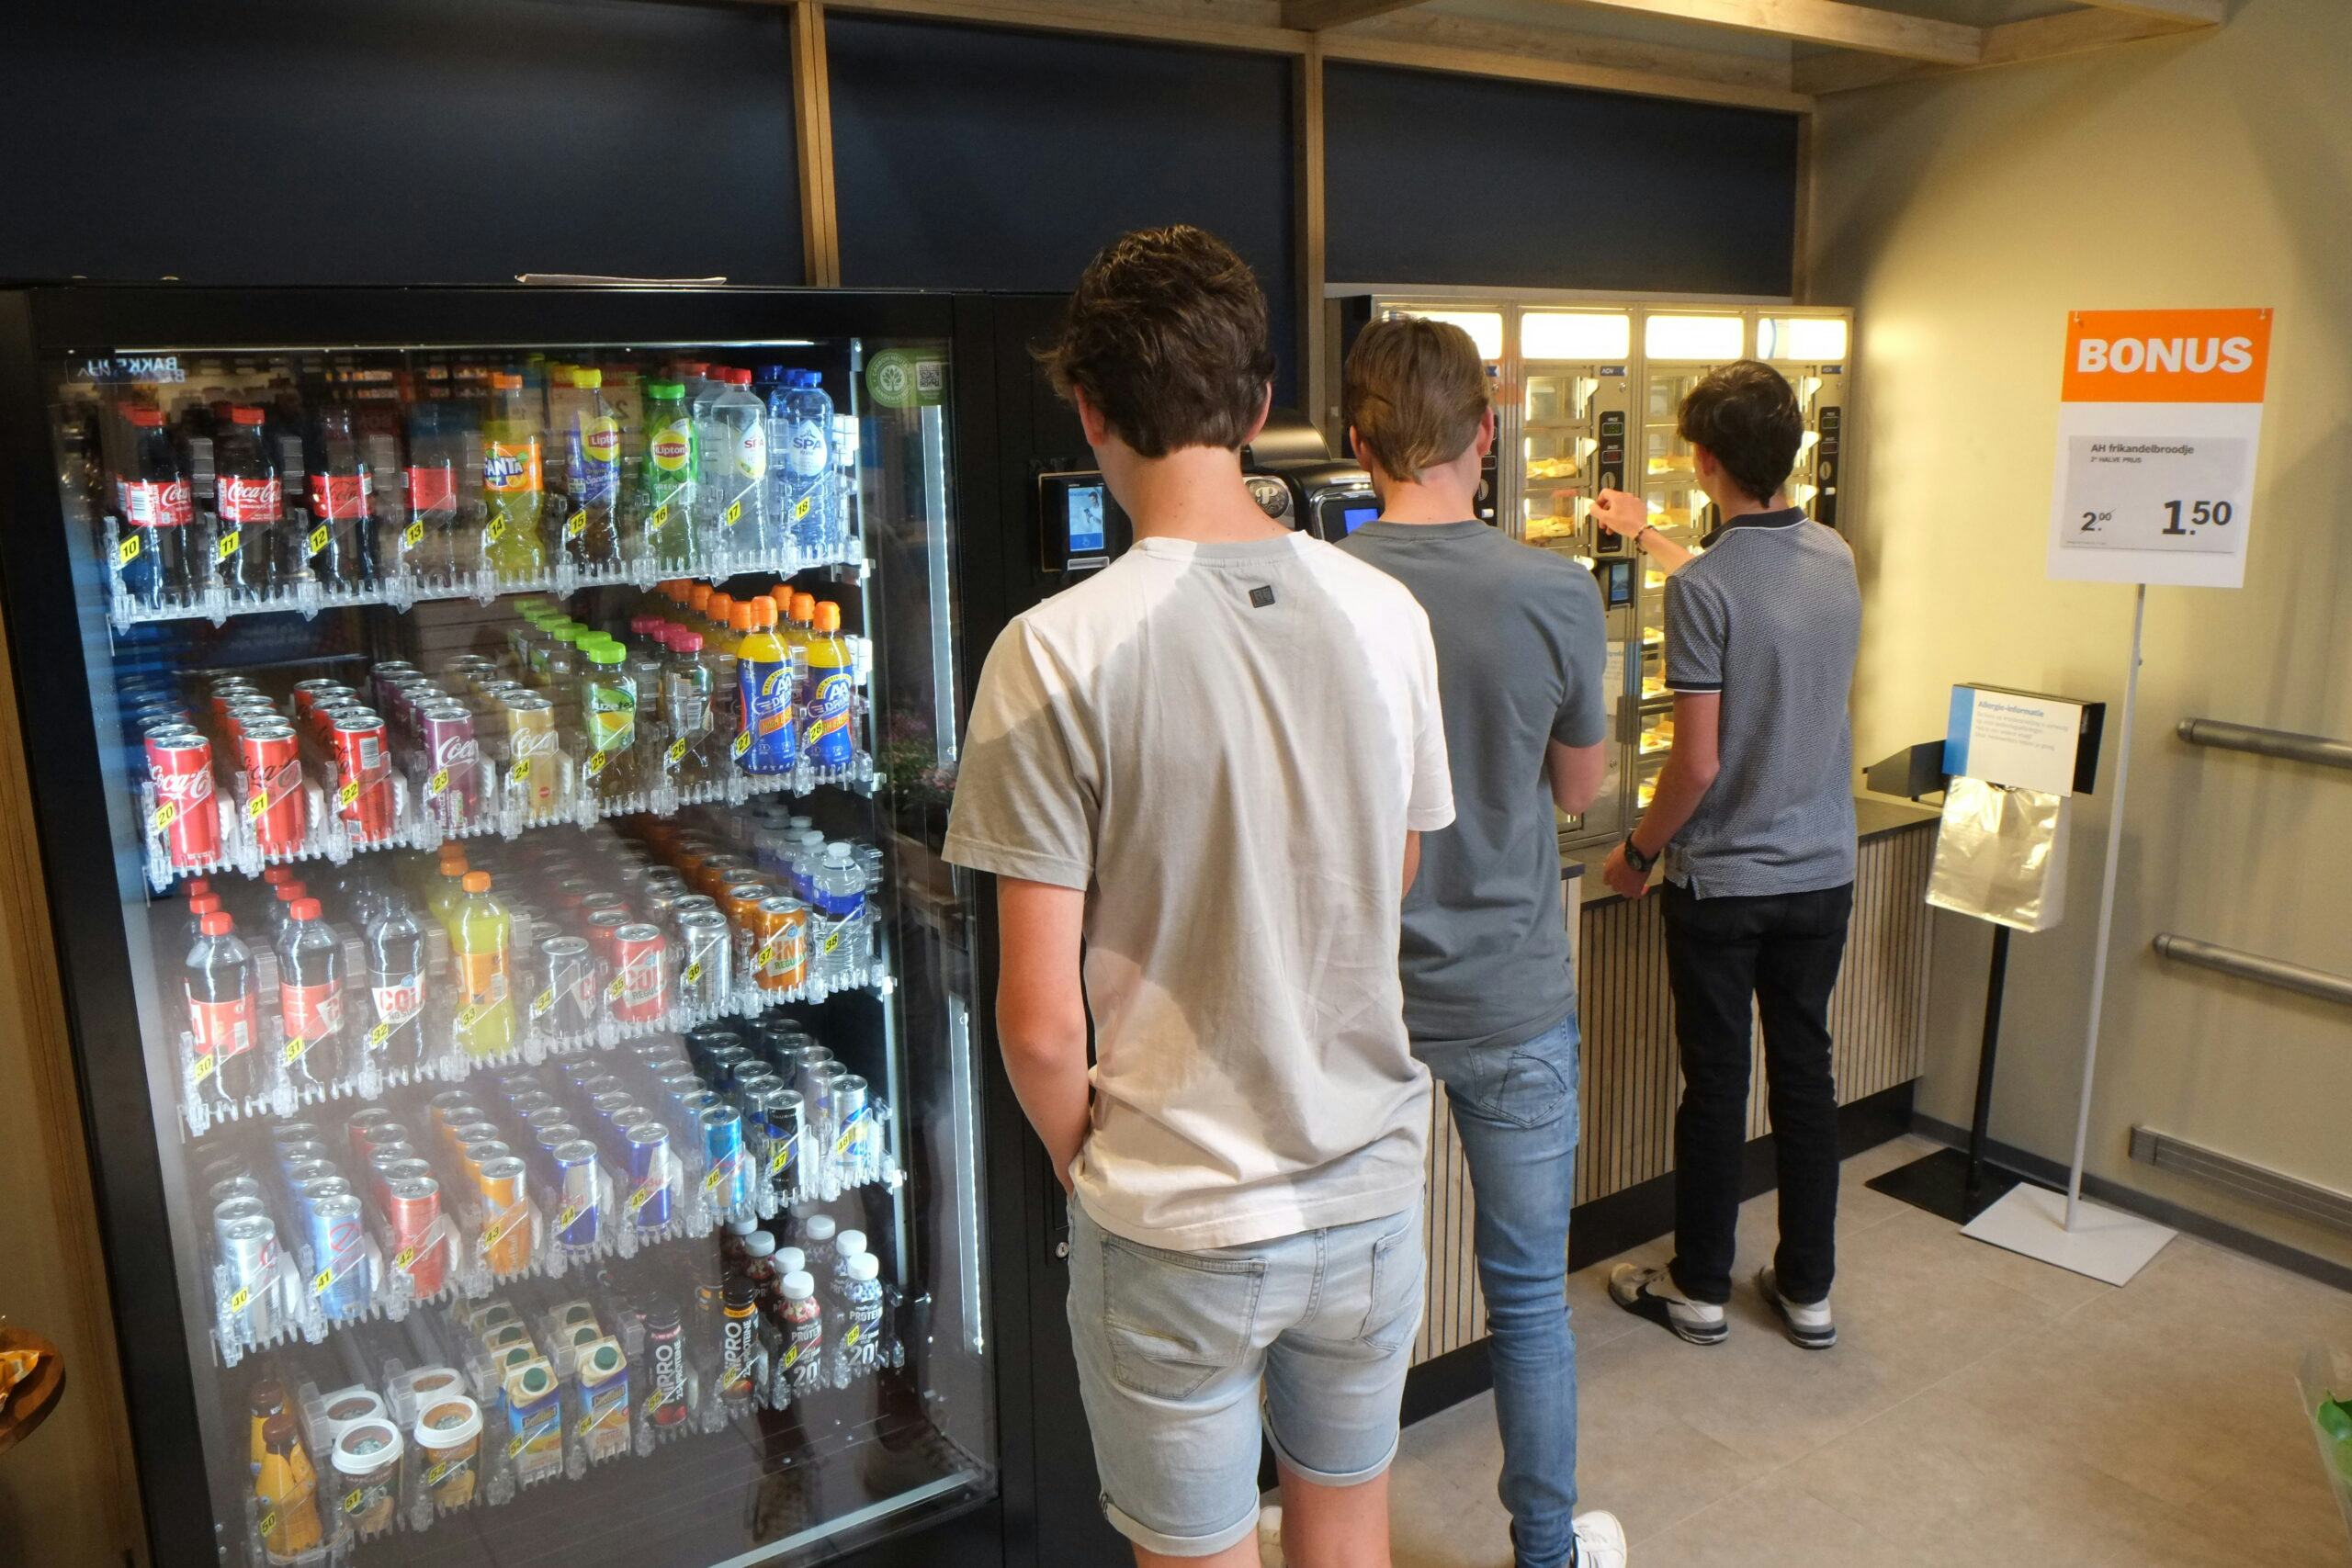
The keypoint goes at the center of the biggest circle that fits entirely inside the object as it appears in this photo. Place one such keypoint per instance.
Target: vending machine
(490, 750)
(1811, 348)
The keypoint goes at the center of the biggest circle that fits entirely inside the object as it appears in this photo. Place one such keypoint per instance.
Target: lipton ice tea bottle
(288, 1489)
(664, 503)
(512, 483)
(479, 938)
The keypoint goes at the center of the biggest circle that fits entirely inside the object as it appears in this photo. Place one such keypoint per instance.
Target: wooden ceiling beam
(1314, 16)
(1864, 27)
(2010, 43)
(2179, 13)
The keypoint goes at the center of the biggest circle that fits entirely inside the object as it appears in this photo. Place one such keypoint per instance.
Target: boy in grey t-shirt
(1489, 996)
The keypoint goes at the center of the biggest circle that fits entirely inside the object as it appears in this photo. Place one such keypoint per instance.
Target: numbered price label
(127, 551)
(226, 546)
(2179, 494)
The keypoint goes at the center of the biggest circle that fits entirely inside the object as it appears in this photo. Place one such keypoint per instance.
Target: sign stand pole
(2087, 1238)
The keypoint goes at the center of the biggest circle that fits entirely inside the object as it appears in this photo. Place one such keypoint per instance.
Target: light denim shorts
(1172, 1347)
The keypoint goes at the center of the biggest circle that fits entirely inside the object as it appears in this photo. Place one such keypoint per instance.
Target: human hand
(1623, 879)
(1621, 512)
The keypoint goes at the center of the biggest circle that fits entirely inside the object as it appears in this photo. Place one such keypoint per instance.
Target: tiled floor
(1979, 1408)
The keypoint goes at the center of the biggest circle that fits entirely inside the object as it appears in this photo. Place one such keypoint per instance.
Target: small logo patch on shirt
(1261, 596)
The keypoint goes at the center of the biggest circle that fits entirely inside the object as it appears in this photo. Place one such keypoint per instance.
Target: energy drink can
(645, 1154)
(611, 1103)
(506, 1215)
(640, 990)
(853, 1133)
(782, 1118)
(565, 1001)
(576, 1193)
(727, 1180)
(338, 1240)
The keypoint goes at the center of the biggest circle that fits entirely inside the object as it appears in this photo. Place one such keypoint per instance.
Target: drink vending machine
(490, 753)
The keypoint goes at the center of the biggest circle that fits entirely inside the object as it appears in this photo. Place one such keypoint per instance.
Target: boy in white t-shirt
(1199, 777)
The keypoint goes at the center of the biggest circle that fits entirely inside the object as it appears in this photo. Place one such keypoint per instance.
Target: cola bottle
(151, 554)
(310, 996)
(249, 503)
(218, 982)
(395, 984)
(339, 541)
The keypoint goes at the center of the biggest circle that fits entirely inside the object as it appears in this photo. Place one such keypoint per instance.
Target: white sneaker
(1652, 1293)
(1600, 1540)
(1810, 1327)
(1270, 1536)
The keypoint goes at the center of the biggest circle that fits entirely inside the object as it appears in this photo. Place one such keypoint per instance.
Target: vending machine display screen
(1355, 517)
(1087, 533)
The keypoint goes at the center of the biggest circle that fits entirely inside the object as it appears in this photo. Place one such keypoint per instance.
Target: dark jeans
(1727, 958)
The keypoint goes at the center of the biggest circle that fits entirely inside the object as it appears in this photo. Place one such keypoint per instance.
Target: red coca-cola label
(339, 498)
(222, 1030)
(311, 1012)
(185, 790)
(155, 503)
(432, 489)
(400, 1001)
(242, 501)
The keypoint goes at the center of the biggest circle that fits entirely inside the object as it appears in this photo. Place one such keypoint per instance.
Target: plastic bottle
(686, 710)
(797, 634)
(829, 746)
(436, 460)
(741, 1373)
(309, 996)
(609, 709)
(667, 480)
(339, 548)
(808, 856)
(804, 1324)
(841, 942)
(665, 1350)
(592, 471)
(806, 438)
(217, 981)
(857, 1334)
(847, 1244)
(735, 465)
(288, 1489)
(478, 939)
(395, 942)
(448, 885)
(250, 505)
(513, 481)
(154, 497)
(764, 674)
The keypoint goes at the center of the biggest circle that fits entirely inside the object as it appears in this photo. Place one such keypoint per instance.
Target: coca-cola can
(602, 927)
(180, 763)
(307, 692)
(274, 807)
(162, 718)
(364, 776)
(641, 970)
(381, 674)
(444, 733)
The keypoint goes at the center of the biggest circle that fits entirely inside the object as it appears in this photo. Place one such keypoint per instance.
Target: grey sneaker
(1810, 1327)
(1652, 1293)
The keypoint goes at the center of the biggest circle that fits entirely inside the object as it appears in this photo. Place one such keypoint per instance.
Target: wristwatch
(1634, 858)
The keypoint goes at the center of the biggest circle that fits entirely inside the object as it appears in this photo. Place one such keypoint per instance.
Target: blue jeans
(1515, 1110)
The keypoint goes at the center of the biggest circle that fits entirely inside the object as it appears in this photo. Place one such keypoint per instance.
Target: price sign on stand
(2158, 421)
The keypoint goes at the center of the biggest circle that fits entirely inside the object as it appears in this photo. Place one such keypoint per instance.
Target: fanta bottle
(832, 693)
(763, 670)
(480, 935)
(511, 482)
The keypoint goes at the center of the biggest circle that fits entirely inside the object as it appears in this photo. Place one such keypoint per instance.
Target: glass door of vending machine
(1678, 348)
(495, 749)
(1811, 349)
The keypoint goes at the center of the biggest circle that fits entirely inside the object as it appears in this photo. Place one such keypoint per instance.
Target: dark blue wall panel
(978, 158)
(1456, 180)
(396, 141)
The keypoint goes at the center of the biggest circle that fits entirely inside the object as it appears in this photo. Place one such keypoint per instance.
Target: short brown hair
(1414, 392)
(1166, 335)
(1745, 413)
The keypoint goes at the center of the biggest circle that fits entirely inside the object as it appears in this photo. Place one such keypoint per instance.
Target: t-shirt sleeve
(1430, 805)
(1695, 635)
(1583, 718)
(1028, 790)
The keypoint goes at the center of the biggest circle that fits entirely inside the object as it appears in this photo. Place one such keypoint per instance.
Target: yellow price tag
(352, 1500)
(347, 794)
(643, 1195)
(613, 992)
(439, 1473)
(256, 807)
(576, 525)
(268, 1522)
(801, 508)
(742, 743)
(226, 546)
(127, 552)
(566, 1217)
(659, 515)
(833, 941)
(496, 531)
(597, 762)
(317, 538)
(778, 1157)
(406, 1259)
(677, 752)
(377, 1035)
(522, 770)
(471, 1016)
(203, 1068)
(319, 1286)
(850, 1337)
(239, 1299)
(514, 1447)
(166, 813)
(716, 1174)
(438, 784)
(413, 535)
(544, 1003)
(296, 1049)
(694, 972)
(732, 515)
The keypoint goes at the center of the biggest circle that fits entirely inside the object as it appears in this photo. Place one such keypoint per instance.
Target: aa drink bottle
(217, 981)
(249, 506)
(512, 483)
(832, 693)
(152, 553)
(763, 669)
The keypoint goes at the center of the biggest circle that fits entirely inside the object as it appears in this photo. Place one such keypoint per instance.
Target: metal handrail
(2277, 972)
(2283, 743)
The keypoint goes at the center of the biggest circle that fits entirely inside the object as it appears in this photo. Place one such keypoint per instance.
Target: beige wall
(66, 1492)
(1964, 217)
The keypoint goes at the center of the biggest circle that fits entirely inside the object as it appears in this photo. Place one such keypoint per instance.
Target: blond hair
(1414, 392)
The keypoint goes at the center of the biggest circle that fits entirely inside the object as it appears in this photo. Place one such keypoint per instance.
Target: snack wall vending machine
(493, 750)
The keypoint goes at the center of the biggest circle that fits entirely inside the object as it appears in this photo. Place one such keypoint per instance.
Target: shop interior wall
(1964, 218)
(1464, 180)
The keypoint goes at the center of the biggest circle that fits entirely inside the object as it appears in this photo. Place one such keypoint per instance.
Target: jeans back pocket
(1394, 1287)
(1175, 1320)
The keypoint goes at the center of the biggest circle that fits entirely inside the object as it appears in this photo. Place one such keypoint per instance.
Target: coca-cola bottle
(340, 540)
(251, 507)
(309, 996)
(152, 492)
(217, 981)
(395, 984)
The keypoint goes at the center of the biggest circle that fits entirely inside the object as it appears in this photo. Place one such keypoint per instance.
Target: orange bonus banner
(2167, 356)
